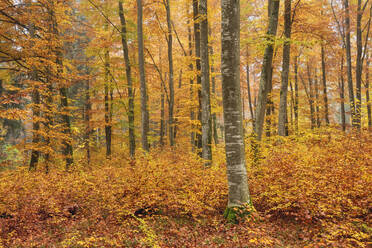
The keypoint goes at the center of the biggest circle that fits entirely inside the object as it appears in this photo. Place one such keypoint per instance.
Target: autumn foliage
(311, 190)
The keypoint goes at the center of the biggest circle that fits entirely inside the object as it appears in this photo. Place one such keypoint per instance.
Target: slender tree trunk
(324, 81)
(107, 104)
(144, 98)
(359, 68)
(292, 106)
(264, 88)
(311, 98)
(295, 108)
(35, 154)
(123, 34)
(249, 90)
(88, 109)
(191, 68)
(206, 99)
(342, 95)
(214, 115)
(285, 73)
(349, 63)
(171, 83)
(316, 88)
(198, 69)
(234, 140)
(369, 111)
(67, 146)
(162, 119)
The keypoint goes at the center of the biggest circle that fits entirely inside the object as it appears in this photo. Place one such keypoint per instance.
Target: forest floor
(309, 190)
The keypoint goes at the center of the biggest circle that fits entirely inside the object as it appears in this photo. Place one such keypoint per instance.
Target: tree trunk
(264, 88)
(369, 111)
(349, 63)
(342, 95)
(88, 109)
(171, 83)
(35, 154)
(162, 119)
(234, 140)
(198, 69)
(311, 98)
(144, 98)
(123, 34)
(214, 115)
(359, 68)
(249, 90)
(324, 81)
(206, 99)
(282, 119)
(316, 88)
(107, 104)
(295, 108)
(191, 68)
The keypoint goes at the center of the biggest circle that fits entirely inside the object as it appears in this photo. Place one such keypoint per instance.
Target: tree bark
(369, 111)
(191, 68)
(264, 88)
(324, 81)
(107, 104)
(206, 99)
(198, 69)
(144, 98)
(282, 119)
(316, 88)
(349, 63)
(123, 34)
(359, 67)
(311, 98)
(295, 108)
(214, 115)
(342, 95)
(249, 90)
(171, 83)
(234, 139)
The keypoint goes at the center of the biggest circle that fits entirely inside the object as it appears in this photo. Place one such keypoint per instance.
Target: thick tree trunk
(264, 88)
(123, 34)
(324, 81)
(206, 99)
(282, 119)
(349, 63)
(144, 98)
(198, 69)
(171, 83)
(234, 140)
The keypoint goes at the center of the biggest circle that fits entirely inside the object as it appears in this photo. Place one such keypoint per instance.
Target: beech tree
(232, 108)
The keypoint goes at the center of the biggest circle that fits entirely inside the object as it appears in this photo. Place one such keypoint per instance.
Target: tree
(232, 110)
(144, 97)
(266, 72)
(282, 120)
(130, 112)
(206, 96)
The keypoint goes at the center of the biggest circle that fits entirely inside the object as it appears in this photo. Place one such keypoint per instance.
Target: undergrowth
(310, 190)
